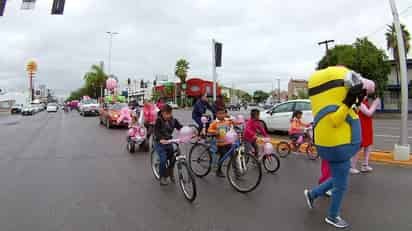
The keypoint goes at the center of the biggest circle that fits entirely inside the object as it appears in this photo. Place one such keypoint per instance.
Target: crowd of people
(342, 127)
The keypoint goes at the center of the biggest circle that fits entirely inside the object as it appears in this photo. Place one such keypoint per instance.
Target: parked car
(16, 108)
(89, 107)
(267, 106)
(28, 110)
(109, 113)
(173, 105)
(278, 117)
(234, 107)
(52, 107)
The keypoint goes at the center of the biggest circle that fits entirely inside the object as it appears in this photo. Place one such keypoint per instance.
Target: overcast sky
(262, 40)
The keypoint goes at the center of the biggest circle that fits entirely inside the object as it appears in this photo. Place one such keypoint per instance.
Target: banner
(28, 4)
(2, 6)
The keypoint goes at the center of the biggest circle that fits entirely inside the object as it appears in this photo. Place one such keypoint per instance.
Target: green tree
(260, 96)
(392, 43)
(246, 97)
(181, 69)
(363, 57)
(95, 81)
(302, 94)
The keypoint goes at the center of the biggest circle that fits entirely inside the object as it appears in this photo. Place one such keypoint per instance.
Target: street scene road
(61, 171)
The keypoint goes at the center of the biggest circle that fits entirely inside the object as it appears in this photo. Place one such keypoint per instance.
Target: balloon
(204, 120)
(268, 148)
(111, 84)
(230, 137)
(150, 113)
(369, 85)
(124, 115)
(240, 119)
(185, 134)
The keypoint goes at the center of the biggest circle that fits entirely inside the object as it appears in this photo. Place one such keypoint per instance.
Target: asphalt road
(65, 172)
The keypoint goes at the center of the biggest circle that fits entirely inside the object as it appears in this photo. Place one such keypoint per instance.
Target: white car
(278, 117)
(52, 107)
(173, 105)
(89, 107)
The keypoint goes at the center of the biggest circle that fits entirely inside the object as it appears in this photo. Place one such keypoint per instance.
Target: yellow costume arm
(339, 116)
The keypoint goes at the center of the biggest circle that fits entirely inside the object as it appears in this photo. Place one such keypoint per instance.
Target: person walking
(200, 108)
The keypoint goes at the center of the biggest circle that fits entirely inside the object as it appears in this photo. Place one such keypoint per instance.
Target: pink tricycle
(136, 139)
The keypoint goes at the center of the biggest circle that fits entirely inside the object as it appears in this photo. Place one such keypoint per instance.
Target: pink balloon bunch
(185, 134)
(150, 114)
(369, 85)
(240, 119)
(124, 115)
(111, 84)
(204, 120)
(230, 137)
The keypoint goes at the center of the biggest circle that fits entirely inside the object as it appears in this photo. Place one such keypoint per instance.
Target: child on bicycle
(163, 130)
(219, 128)
(296, 126)
(254, 125)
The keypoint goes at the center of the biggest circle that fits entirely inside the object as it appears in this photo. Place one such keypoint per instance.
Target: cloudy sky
(262, 40)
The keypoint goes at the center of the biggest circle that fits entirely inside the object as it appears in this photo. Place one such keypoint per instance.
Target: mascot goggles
(351, 79)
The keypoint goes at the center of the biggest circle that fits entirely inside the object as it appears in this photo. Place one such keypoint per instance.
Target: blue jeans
(165, 152)
(338, 182)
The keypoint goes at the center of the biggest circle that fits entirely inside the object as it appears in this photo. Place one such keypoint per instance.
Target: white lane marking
(390, 136)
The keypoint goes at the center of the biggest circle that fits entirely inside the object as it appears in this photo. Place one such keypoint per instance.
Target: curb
(377, 156)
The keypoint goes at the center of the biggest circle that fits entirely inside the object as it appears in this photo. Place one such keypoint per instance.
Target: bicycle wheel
(283, 149)
(186, 181)
(244, 176)
(155, 163)
(311, 152)
(200, 159)
(271, 163)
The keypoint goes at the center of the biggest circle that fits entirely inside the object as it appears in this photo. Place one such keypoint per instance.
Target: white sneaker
(328, 193)
(366, 168)
(354, 171)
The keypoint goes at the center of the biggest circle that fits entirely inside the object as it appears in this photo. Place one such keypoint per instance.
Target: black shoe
(309, 200)
(219, 173)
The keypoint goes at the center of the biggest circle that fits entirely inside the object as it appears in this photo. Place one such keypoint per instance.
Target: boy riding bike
(219, 128)
(163, 130)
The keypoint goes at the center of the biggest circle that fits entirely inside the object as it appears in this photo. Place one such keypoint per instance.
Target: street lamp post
(111, 34)
(401, 151)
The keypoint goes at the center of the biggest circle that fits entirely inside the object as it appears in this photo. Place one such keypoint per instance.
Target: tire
(271, 163)
(131, 147)
(283, 149)
(187, 181)
(236, 177)
(155, 163)
(311, 152)
(200, 159)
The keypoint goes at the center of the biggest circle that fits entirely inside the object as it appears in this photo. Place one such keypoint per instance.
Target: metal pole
(278, 90)
(404, 76)
(214, 70)
(110, 50)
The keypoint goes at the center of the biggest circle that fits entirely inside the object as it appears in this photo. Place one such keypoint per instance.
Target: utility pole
(214, 69)
(326, 42)
(111, 34)
(278, 90)
(401, 151)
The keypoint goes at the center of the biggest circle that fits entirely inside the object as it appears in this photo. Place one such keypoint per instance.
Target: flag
(58, 7)
(28, 4)
(2, 6)
(218, 54)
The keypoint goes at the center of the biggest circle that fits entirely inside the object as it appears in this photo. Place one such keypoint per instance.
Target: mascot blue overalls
(333, 92)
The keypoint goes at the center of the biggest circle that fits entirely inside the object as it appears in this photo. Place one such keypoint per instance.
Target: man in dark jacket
(200, 108)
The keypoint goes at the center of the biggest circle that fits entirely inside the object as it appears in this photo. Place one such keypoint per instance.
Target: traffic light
(58, 7)
(154, 83)
(218, 54)
(128, 81)
(141, 83)
(2, 6)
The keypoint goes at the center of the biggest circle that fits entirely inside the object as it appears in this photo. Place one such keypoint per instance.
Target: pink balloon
(369, 85)
(204, 120)
(231, 137)
(150, 114)
(268, 148)
(124, 115)
(111, 84)
(240, 119)
(185, 134)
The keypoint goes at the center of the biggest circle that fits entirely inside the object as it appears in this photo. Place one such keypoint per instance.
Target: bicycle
(240, 163)
(267, 158)
(284, 148)
(186, 179)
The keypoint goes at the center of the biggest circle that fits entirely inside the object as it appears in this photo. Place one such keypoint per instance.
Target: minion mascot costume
(333, 93)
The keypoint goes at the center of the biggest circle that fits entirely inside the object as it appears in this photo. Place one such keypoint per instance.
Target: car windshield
(117, 106)
(90, 101)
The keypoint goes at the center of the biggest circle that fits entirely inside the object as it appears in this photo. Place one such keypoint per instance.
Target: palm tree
(182, 67)
(95, 80)
(392, 43)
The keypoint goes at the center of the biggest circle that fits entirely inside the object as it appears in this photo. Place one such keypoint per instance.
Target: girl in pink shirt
(254, 125)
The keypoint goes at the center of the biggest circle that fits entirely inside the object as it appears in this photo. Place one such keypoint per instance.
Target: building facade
(297, 87)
